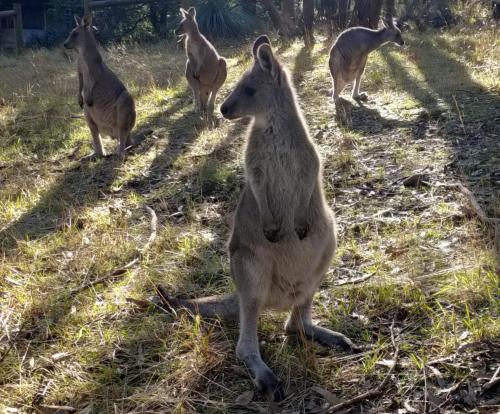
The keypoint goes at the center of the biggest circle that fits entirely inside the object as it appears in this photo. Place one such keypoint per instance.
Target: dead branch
(372, 393)
(137, 258)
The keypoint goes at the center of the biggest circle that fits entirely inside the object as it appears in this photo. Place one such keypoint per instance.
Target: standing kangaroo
(284, 235)
(108, 106)
(350, 51)
(206, 71)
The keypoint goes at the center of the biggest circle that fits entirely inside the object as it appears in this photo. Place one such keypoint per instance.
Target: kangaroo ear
(192, 11)
(78, 20)
(263, 39)
(183, 12)
(267, 61)
(87, 20)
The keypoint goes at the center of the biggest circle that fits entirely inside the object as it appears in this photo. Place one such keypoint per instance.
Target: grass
(433, 108)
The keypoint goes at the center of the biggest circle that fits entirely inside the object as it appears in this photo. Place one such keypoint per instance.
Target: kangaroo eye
(249, 91)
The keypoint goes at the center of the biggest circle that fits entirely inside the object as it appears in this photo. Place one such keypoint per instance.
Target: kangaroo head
(258, 88)
(393, 32)
(188, 23)
(82, 34)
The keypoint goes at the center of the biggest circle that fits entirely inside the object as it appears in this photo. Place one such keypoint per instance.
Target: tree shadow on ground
(468, 116)
(78, 187)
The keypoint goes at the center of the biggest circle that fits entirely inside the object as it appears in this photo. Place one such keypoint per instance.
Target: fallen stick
(477, 209)
(493, 382)
(354, 281)
(369, 394)
(138, 256)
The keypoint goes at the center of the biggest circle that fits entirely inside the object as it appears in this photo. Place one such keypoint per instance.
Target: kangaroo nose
(224, 109)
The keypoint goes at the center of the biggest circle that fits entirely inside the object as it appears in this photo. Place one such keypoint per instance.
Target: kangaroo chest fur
(294, 268)
(103, 88)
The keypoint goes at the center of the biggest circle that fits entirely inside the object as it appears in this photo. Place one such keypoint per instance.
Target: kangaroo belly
(299, 266)
(294, 268)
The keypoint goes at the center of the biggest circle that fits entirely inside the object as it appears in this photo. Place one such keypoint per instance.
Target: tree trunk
(366, 13)
(249, 6)
(280, 24)
(308, 12)
(343, 13)
(329, 7)
(288, 9)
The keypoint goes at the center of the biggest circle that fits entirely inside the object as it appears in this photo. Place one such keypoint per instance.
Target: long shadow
(360, 117)
(78, 187)
(469, 114)
(303, 63)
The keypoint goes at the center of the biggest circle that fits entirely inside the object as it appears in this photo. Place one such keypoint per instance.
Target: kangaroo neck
(379, 38)
(91, 58)
(282, 119)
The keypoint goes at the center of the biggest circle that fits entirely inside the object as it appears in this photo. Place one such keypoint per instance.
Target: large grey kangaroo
(284, 235)
(206, 71)
(350, 52)
(108, 106)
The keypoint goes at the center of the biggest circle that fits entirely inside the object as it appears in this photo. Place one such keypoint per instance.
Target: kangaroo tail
(220, 306)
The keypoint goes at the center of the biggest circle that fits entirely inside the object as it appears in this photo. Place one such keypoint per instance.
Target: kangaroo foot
(92, 157)
(361, 97)
(332, 339)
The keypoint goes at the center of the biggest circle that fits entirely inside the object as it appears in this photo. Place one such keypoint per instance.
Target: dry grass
(434, 108)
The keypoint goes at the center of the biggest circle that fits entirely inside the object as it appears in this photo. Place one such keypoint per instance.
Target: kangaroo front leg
(300, 321)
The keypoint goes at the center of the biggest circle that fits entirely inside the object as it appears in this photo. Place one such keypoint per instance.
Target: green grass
(433, 107)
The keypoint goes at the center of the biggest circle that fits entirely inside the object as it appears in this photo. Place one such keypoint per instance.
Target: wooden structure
(89, 5)
(11, 29)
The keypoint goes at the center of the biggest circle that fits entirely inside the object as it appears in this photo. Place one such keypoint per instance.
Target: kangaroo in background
(284, 235)
(350, 52)
(206, 71)
(108, 106)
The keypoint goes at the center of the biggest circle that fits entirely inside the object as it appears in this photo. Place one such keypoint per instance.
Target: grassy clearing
(434, 109)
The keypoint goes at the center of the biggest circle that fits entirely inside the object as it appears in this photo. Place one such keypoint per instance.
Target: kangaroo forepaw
(273, 234)
(302, 231)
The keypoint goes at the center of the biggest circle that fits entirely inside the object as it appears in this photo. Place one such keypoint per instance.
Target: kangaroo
(108, 106)
(206, 71)
(350, 51)
(284, 236)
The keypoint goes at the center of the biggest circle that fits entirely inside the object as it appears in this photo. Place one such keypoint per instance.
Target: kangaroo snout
(226, 110)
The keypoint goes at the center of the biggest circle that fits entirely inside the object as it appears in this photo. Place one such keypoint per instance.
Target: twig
(105, 278)
(153, 230)
(493, 382)
(372, 393)
(355, 280)
(138, 256)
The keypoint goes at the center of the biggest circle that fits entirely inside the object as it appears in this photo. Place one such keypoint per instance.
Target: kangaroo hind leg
(300, 321)
(249, 276)
(219, 81)
(96, 139)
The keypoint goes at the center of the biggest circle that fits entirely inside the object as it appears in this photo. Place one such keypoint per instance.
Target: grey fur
(206, 71)
(350, 52)
(108, 106)
(283, 238)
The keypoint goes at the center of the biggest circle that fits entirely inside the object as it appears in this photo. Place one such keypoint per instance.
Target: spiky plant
(224, 19)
